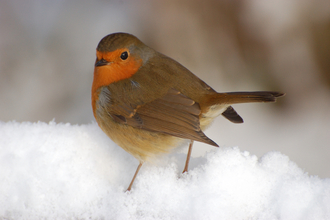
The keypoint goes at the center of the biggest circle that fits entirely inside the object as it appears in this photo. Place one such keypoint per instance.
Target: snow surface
(63, 171)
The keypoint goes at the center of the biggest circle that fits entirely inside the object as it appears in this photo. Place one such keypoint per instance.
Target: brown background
(47, 52)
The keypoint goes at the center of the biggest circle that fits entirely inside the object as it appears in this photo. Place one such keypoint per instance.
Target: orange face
(115, 66)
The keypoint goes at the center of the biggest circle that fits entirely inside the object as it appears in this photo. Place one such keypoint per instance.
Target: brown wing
(173, 114)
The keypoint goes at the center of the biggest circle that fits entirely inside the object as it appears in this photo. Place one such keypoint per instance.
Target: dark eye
(124, 55)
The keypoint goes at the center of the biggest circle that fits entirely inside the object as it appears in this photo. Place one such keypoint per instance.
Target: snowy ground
(63, 171)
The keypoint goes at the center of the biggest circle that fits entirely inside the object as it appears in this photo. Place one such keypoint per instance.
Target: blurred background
(47, 52)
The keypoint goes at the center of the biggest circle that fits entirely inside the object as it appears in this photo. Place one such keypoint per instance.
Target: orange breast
(116, 70)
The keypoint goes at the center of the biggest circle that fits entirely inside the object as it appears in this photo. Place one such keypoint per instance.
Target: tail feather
(253, 96)
(241, 97)
(232, 115)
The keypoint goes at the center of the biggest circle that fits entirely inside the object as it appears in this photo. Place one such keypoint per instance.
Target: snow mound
(63, 171)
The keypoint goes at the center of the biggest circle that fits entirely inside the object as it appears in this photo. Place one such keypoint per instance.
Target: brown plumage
(148, 103)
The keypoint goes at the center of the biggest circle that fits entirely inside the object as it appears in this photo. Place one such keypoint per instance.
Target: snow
(63, 171)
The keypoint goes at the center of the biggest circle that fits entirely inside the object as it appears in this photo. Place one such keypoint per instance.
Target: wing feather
(173, 114)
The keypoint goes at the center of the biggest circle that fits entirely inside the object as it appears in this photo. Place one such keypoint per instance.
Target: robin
(148, 103)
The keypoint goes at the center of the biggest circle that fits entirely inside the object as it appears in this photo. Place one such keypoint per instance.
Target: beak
(101, 62)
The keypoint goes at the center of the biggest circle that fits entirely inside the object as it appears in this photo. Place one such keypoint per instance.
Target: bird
(149, 104)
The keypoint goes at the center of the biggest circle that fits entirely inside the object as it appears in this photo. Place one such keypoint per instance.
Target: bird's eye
(124, 55)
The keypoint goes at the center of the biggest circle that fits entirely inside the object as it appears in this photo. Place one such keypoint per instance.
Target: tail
(227, 99)
(241, 97)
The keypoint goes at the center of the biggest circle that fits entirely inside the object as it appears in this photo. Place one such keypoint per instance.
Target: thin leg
(188, 156)
(136, 172)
